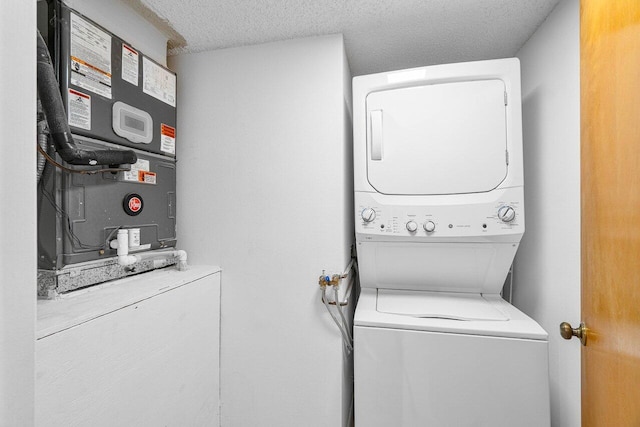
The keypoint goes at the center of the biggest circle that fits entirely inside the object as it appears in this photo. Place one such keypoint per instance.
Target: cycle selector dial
(412, 226)
(429, 226)
(368, 215)
(506, 213)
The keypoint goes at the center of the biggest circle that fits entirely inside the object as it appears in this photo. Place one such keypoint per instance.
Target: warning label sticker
(79, 108)
(158, 82)
(140, 173)
(90, 57)
(147, 177)
(167, 139)
(130, 65)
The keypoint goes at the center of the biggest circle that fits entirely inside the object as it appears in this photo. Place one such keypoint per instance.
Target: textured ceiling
(380, 35)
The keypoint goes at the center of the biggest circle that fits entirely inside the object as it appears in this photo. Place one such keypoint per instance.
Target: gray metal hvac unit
(116, 99)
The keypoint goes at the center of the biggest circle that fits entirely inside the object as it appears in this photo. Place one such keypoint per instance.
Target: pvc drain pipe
(123, 249)
(125, 259)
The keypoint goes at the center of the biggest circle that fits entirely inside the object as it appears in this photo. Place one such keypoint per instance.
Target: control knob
(506, 213)
(429, 226)
(412, 226)
(368, 215)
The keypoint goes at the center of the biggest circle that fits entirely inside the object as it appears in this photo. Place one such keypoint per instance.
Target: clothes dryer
(439, 210)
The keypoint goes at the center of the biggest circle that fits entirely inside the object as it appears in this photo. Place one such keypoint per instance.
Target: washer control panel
(486, 214)
(412, 226)
(507, 213)
(368, 214)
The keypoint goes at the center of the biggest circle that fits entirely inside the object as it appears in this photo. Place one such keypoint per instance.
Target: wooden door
(610, 126)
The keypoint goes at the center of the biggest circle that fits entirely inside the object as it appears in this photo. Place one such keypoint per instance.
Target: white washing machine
(439, 216)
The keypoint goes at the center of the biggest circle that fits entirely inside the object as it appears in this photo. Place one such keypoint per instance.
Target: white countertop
(83, 305)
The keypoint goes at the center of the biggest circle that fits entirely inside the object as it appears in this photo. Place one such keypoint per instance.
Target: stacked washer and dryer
(439, 216)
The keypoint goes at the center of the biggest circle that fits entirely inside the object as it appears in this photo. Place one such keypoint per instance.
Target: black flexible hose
(57, 119)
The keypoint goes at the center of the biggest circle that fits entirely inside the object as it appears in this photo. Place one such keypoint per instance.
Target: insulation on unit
(116, 98)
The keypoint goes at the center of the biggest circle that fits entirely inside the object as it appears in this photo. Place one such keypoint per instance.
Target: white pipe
(180, 254)
(182, 259)
(124, 259)
(123, 249)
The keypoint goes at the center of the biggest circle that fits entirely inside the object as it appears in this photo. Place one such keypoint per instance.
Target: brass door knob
(568, 332)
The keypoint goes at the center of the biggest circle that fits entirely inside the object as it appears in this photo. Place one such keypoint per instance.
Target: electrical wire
(80, 171)
(75, 240)
(350, 266)
(511, 283)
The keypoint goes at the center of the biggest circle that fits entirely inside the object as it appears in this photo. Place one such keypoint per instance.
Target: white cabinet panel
(143, 351)
(449, 379)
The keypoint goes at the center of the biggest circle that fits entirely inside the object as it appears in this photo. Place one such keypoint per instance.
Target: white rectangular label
(90, 57)
(148, 177)
(130, 65)
(140, 173)
(79, 108)
(158, 82)
(167, 139)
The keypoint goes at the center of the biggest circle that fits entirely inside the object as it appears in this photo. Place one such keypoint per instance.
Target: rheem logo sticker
(132, 204)
(135, 204)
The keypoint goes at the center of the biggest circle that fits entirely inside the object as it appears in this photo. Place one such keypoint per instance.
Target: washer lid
(446, 138)
(517, 324)
(438, 305)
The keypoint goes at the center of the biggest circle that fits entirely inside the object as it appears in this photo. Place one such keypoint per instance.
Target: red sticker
(135, 204)
(132, 204)
(167, 130)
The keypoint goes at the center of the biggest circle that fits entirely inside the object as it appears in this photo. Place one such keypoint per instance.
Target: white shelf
(87, 304)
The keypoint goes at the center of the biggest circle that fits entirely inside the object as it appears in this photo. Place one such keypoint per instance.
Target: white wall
(265, 191)
(547, 269)
(17, 211)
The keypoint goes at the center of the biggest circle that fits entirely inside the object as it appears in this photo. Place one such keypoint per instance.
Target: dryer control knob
(506, 213)
(412, 226)
(368, 215)
(429, 226)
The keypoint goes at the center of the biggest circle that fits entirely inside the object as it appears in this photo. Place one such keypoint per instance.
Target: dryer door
(447, 138)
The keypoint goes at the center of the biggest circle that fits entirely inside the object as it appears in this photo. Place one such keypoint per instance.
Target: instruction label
(158, 82)
(140, 173)
(147, 177)
(79, 109)
(167, 139)
(90, 57)
(130, 64)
